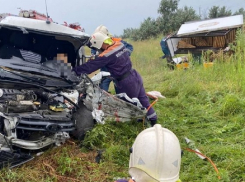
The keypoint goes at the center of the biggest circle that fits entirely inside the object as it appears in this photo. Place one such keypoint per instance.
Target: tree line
(170, 19)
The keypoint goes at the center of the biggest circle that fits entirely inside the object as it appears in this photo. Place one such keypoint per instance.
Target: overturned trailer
(213, 34)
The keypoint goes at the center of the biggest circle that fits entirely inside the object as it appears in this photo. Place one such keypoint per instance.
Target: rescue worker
(155, 156)
(166, 52)
(104, 30)
(106, 82)
(116, 59)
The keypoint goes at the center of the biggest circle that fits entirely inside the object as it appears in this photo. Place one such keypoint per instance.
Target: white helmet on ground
(97, 39)
(103, 29)
(155, 156)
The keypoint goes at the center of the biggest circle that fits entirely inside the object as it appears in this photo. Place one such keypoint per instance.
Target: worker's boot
(170, 62)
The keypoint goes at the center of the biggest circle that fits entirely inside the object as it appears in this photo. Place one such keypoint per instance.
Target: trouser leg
(144, 100)
(170, 62)
(105, 84)
(133, 87)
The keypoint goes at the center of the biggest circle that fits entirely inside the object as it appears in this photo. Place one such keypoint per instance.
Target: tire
(84, 122)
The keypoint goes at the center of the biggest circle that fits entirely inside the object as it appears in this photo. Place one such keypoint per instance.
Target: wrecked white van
(41, 101)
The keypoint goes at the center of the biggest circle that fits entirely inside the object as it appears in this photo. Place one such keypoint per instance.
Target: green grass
(205, 105)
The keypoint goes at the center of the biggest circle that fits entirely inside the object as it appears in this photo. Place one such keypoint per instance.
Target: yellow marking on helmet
(108, 41)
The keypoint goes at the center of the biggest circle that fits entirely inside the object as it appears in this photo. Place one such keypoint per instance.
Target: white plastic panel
(172, 45)
(190, 28)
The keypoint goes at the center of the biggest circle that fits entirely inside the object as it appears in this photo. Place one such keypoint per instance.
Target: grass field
(207, 105)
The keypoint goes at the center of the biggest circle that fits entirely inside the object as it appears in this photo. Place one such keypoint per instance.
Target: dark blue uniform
(116, 59)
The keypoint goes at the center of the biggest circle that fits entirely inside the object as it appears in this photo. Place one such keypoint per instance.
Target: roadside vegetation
(207, 105)
(171, 17)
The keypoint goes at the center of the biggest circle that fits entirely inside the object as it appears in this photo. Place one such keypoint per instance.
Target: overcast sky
(115, 14)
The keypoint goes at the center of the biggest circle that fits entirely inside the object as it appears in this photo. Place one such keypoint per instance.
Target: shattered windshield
(37, 53)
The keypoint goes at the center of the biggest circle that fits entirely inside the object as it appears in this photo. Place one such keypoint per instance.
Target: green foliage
(149, 28)
(117, 154)
(100, 136)
(131, 33)
(170, 20)
(10, 175)
(181, 16)
(167, 10)
(216, 11)
(204, 104)
(167, 6)
(240, 41)
(65, 162)
(232, 105)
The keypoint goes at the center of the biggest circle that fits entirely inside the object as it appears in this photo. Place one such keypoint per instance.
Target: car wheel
(84, 121)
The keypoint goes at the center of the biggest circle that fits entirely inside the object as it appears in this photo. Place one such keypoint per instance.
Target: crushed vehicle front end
(42, 102)
(37, 90)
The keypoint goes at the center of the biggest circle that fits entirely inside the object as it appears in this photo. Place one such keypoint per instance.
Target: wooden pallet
(219, 42)
(183, 44)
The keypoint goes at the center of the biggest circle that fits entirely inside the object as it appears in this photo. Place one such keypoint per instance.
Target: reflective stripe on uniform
(151, 116)
(112, 49)
(115, 39)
